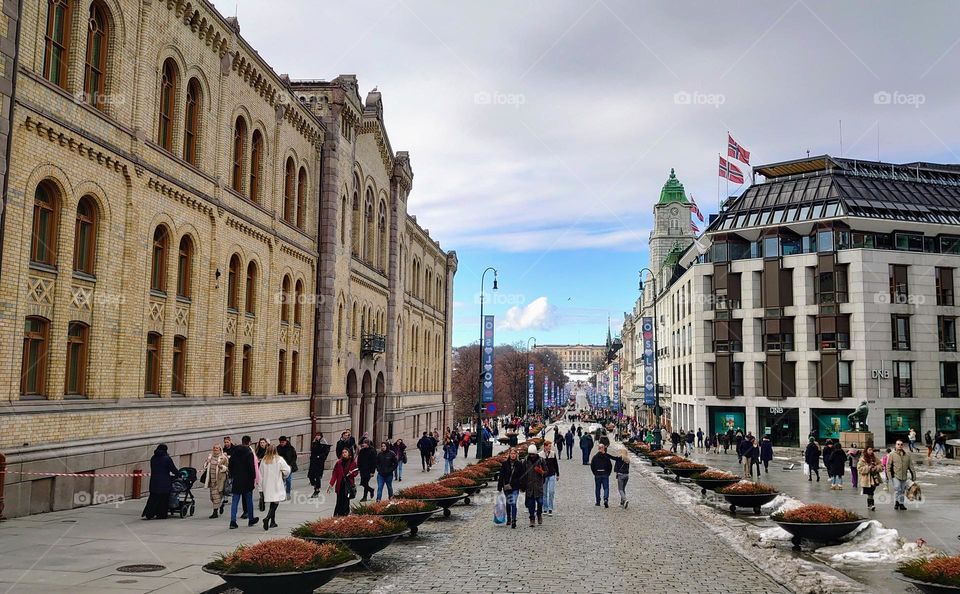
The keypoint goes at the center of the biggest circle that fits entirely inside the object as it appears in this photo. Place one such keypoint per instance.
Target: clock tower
(671, 225)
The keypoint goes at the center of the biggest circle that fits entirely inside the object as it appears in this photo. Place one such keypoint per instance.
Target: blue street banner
(616, 386)
(546, 389)
(531, 404)
(487, 359)
(649, 389)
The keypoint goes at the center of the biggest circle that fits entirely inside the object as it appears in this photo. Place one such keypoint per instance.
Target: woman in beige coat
(274, 471)
(868, 469)
(215, 469)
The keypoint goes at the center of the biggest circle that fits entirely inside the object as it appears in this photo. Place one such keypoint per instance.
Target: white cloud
(539, 314)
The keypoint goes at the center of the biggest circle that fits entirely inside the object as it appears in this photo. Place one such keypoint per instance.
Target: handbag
(203, 478)
(228, 486)
(351, 491)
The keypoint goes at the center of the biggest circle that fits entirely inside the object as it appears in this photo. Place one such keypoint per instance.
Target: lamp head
(494, 280)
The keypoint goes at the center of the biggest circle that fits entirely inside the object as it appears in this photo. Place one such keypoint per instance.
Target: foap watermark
(914, 100)
(500, 298)
(697, 98)
(886, 298)
(99, 99)
(514, 100)
(82, 498)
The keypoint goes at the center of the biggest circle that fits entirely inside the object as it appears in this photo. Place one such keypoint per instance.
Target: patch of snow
(872, 543)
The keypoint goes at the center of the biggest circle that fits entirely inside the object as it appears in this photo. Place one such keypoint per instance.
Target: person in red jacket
(342, 480)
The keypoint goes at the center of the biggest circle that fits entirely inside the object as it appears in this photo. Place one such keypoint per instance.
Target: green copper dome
(673, 191)
(673, 257)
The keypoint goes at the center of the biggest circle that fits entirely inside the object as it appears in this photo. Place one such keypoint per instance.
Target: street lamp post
(526, 397)
(479, 428)
(657, 441)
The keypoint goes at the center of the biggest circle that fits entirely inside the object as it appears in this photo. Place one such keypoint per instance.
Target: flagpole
(718, 185)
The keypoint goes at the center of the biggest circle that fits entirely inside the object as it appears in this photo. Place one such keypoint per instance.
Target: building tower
(671, 224)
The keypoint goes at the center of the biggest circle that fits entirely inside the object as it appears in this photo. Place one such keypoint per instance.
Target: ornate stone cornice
(70, 142)
(165, 189)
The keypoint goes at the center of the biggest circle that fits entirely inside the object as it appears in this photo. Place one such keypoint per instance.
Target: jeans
(447, 466)
(939, 450)
(836, 480)
(534, 506)
(384, 479)
(549, 491)
(569, 451)
(622, 486)
(913, 446)
(586, 455)
(398, 473)
(248, 503)
(425, 459)
(900, 489)
(602, 482)
(512, 504)
(289, 484)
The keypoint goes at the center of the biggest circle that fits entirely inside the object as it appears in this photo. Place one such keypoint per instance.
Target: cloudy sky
(540, 132)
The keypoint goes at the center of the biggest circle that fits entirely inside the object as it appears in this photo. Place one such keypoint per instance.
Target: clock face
(675, 211)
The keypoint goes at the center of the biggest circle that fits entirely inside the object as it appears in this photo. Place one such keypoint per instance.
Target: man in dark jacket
(346, 442)
(386, 465)
(602, 465)
(532, 486)
(674, 441)
(367, 465)
(812, 457)
(244, 476)
(746, 457)
(319, 450)
(289, 454)
(568, 440)
(586, 446)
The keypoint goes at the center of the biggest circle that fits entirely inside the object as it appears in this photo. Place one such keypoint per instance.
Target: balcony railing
(372, 344)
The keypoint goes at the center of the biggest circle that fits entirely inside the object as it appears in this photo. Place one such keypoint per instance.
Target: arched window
(256, 165)
(233, 282)
(289, 187)
(57, 42)
(95, 64)
(282, 372)
(239, 150)
(302, 198)
(185, 267)
(353, 321)
(382, 237)
(85, 236)
(356, 231)
(251, 295)
(368, 234)
(191, 121)
(178, 380)
(285, 300)
(228, 363)
(246, 369)
(75, 383)
(294, 372)
(340, 326)
(46, 203)
(343, 220)
(158, 265)
(298, 303)
(151, 382)
(33, 371)
(169, 80)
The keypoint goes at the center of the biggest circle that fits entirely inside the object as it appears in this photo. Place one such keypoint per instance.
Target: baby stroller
(181, 498)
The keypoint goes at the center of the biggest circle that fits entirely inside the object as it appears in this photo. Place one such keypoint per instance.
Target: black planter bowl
(295, 582)
(412, 520)
(713, 484)
(821, 533)
(684, 472)
(445, 503)
(365, 546)
(929, 588)
(754, 501)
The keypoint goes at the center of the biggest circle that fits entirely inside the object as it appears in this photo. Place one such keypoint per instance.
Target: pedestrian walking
(746, 457)
(319, 450)
(766, 454)
(346, 441)
(689, 443)
(811, 456)
(883, 461)
(449, 455)
(940, 445)
(912, 438)
(552, 465)
(853, 458)
(274, 470)
(621, 468)
(261, 450)
(386, 466)
(568, 441)
(162, 473)
(366, 465)
(699, 438)
(532, 486)
(244, 475)
(835, 467)
(341, 479)
(586, 446)
(509, 482)
(289, 454)
(602, 466)
(214, 477)
(825, 455)
(899, 465)
(868, 467)
(738, 440)
(424, 446)
(400, 449)
(674, 441)
(465, 442)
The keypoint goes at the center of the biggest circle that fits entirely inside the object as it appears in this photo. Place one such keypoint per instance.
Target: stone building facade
(172, 259)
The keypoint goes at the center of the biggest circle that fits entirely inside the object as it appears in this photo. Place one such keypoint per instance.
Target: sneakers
(550, 512)
(233, 525)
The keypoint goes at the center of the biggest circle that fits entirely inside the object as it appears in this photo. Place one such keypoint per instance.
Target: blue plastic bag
(500, 509)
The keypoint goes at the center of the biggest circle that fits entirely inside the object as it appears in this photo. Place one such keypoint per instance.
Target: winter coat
(289, 454)
(319, 451)
(869, 474)
(899, 464)
(568, 438)
(621, 465)
(425, 444)
(766, 450)
(812, 456)
(837, 463)
(366, 460)
(586, 442)
(825, 454)
(533, 472)
(386, 463)
(242, 470)
(162, 471)
(272, 477)
(690, 437)
(601, 464)
(400, 449)
(216, 469)
(511, 475)
(450, 451)
(343, 472)
(748, 450)
(342, 444)
(551, 464)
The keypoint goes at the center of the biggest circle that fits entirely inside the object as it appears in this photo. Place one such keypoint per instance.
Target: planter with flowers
(439, 495)
(474, 472)
(470, 486)
(665, 461)
(750, 495)
(281, 565)
(934, 575)
(655, 455)
(686, 469)
(714, 479)
(817, 522)
(363, 534)
(411, 512)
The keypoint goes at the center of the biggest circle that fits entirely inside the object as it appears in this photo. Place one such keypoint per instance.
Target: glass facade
(828, 423)
(781, 424)
(724, 418)
(899, 421)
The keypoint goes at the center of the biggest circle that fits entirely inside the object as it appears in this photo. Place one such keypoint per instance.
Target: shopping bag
(806, 469)
(500, 509)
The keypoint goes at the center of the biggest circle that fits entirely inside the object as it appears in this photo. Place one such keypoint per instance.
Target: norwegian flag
(694, 228)
(696, 209)
(735, 151)
(730, 171)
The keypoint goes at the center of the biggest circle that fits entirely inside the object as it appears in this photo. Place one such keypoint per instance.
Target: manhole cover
(140, 568)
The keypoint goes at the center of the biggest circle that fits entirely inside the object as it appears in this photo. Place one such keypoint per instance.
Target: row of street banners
(531, 404)
(649, 388)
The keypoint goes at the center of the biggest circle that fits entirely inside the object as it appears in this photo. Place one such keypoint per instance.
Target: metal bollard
(137, 483)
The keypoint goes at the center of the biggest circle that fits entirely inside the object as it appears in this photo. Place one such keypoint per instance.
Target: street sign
(491, 409)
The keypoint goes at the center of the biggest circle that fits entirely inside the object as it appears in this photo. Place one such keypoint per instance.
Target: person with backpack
(511, 478)
(465, 442)
(289, 453)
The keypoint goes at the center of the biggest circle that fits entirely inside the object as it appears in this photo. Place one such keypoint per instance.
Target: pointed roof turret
(673, 191)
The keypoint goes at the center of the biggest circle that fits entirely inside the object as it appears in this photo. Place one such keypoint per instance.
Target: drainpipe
(9, 148)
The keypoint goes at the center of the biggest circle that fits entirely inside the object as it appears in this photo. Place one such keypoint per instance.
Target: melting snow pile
(872, 543)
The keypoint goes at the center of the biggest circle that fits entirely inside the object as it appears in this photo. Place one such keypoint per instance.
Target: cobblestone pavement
(653, 546)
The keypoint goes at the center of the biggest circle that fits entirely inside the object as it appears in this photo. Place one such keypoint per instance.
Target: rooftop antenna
(808, 153)
(841, 138)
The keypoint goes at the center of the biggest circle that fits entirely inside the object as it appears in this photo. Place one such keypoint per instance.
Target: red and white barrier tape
(94, 474)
